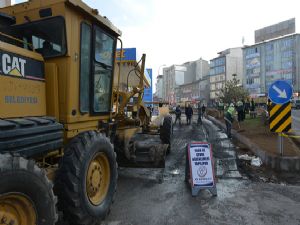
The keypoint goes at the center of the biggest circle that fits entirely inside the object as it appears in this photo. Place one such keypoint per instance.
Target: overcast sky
(177, 31)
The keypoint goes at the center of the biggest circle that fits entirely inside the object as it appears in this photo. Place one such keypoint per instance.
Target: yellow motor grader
(57, 123)
(140, 141)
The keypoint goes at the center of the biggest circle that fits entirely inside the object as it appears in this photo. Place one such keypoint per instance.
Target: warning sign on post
(201, 165)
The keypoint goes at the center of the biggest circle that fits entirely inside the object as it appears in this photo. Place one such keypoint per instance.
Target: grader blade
(149, 152)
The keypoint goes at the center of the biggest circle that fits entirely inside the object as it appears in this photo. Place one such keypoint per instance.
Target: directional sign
(280, 92)
(280, 117)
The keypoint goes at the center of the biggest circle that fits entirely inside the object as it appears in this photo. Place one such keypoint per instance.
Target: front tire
(87, 179)
(26, 195)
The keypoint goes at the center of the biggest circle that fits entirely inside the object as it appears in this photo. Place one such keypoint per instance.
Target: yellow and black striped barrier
(280, 117)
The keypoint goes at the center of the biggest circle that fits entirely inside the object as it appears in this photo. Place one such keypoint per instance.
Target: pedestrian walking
(240, 110)
(189, 114)
(203, 110)
(178, 115)
(229, 118)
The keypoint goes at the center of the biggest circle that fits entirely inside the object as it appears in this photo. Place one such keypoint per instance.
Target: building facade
(187, 92)
(204, 90)
(268, 61)
(195, 70)
(173, 76)
(182, 83)
(5, 3)
(159, 88)
(195, 91)
(225, 67)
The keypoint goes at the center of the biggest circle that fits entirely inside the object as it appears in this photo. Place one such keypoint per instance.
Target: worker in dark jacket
(240, 110)
(189, 114)
(252, 109)
(178, 114)
(199, 121)
(203, 110)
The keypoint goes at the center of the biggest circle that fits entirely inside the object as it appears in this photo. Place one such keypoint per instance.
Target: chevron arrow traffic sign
(280, 117)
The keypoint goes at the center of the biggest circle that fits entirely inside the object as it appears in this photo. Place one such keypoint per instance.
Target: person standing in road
(221, 109)
(203, 110)
(178, 114)
(240, 110)
(244, 109)
(189, 114)
(252, 109)
(199, 121)
(229, 118)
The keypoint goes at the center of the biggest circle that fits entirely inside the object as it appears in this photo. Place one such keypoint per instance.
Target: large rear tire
(26, 195)
(166, 131)
(87, 179)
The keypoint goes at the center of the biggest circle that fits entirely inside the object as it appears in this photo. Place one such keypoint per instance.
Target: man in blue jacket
(178, 115)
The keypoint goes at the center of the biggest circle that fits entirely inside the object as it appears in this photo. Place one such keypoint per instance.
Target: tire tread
(68, 179)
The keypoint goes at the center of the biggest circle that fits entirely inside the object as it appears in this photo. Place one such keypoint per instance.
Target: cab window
(85, 66)
(103, 70)
(46, 36)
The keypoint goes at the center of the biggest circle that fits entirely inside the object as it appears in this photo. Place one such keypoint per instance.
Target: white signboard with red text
(201, 166)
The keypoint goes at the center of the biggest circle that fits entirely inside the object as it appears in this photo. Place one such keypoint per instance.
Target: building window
(269, 67)
(287, 43)
(269, 47)
(269, 59)
(287, 65)
(287, 76)
(287, 54)
(213, 87)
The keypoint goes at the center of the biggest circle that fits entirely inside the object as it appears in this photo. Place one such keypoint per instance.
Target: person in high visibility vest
(229, 118)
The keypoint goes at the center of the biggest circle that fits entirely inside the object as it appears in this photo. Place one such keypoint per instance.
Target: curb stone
(285, 163)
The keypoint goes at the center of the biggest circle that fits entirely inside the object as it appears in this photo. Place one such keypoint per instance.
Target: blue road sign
(280, 92)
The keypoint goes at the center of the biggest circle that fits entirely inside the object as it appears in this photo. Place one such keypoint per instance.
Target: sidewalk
(257, 137)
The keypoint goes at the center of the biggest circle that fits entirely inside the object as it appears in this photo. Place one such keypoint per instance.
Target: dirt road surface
(158, 197)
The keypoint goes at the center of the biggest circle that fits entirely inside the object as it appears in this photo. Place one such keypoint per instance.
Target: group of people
(228, 111)
(242, 109)
(189, 114)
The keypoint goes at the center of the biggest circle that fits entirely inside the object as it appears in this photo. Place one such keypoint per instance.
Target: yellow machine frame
(62, 73)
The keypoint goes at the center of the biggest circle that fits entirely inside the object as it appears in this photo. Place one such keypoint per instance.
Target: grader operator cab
(56, 119)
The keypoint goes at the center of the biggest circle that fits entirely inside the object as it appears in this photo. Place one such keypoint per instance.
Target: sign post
(199, 168)
(280, 140)
(280, 93)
